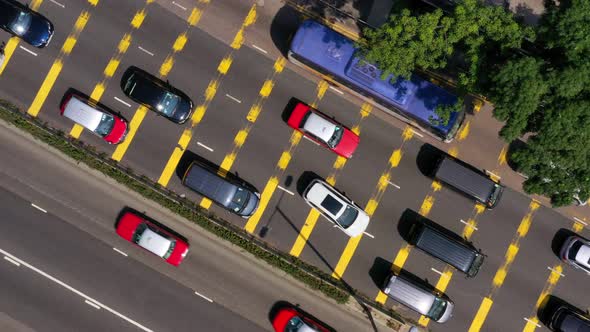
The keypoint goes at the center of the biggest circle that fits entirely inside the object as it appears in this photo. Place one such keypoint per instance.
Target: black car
(22, 21)
(230, 192)
(157, 95)
(566, 318)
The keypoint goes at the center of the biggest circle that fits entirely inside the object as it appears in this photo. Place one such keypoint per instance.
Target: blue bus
(413, 101)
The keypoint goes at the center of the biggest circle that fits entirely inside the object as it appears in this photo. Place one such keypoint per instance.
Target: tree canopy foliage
(538, 80)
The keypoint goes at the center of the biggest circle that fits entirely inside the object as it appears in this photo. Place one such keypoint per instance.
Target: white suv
(337, 208)
(576, 252)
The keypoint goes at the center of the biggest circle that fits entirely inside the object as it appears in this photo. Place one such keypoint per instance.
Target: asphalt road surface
(58, 221)
(383, 175)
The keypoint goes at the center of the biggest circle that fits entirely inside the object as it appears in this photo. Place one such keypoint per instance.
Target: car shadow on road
(283, 27)
(426, 159)
(558, 239)
(302, 182)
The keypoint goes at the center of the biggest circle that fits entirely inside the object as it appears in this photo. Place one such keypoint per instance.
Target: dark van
(228, 192)
(468, 180)
(447, 246)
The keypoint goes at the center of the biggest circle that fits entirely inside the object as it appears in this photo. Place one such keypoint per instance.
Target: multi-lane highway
(226, 55)
(59, 250)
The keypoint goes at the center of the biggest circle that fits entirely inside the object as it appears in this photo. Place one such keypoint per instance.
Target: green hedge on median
(77, 150)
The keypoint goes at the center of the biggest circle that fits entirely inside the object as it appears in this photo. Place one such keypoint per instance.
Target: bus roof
(416, 98)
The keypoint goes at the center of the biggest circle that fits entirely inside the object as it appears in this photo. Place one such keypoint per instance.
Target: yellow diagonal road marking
(113, 63)
(13, 42)
(164, 70)
(339, 163)
(57, 65)
(502, 272)
(199, 112)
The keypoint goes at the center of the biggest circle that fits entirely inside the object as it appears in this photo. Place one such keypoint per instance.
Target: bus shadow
(283, 27)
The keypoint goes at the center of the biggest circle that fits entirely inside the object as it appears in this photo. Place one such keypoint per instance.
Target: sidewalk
(482, 147)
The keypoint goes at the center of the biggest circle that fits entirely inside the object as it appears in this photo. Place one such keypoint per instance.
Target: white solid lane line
(75, 291)
(436, 271)
(468, 224)
(203, 296)
(27, 50)
(417, 133)
(393, 184)
(553, 270)
(580, 221)
(309, 139)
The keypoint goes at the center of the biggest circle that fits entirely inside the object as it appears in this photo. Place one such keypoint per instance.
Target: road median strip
(311, 276)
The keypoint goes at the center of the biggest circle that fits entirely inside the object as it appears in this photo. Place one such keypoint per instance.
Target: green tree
(407, 41)
(517, 91)
(566, 26)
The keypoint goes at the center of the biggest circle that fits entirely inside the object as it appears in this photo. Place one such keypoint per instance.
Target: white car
(350, 218)
(576, 252)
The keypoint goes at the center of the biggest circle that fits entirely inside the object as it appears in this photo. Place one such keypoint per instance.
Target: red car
(152, 238)
(108, 125)
(325, 131)
(290, 320)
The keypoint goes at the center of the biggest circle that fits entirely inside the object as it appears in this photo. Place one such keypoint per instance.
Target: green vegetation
(306, 273)
(538, 80)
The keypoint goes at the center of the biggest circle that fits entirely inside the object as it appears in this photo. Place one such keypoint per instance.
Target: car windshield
(170, 250)
(106, 125)
(335, 139)
(21, 23)
(139, 232)
(168, 103)
(574, 249)
(438, 308)
(294, 324)
(331, 204)
(348, 216)
(240, 200)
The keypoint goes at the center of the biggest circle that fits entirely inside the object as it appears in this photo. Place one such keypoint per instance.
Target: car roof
(82, 113)
(405, 292)
(324, 198)
(465, 179)
(319, 126)
(207, 183)
(583, 255)
(154, 242)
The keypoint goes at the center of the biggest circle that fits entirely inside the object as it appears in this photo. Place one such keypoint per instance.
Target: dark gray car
(229, 192)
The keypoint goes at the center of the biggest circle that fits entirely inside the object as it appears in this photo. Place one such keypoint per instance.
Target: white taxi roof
(154, 242)
(319, 127)
(82, 113)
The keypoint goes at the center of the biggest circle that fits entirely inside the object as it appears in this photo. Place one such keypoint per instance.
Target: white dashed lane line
(27, 50)
(203, 296)
(204, 146)
(38, 208)
(87, 298)
(260, 49)
(122, 102)
(178, 5)
(59, 4)
(146, 51)
(233, 98)
(119, 251)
